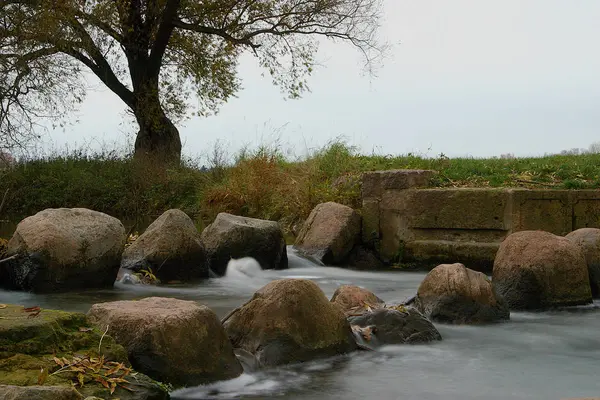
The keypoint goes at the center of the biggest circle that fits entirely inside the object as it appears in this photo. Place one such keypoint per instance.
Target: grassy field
(259, 183)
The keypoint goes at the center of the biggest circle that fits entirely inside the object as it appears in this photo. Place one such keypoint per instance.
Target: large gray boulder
(536, 270)
(63, 249)
(173, 341)
(330, 233)
(170, 247)
(452, 293)
(588, 240)
(231, 236)
(289, 321)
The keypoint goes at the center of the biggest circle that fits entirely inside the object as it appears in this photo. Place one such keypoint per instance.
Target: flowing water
(551, 355)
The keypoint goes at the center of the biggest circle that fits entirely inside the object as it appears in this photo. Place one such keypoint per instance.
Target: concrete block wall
(408, 222)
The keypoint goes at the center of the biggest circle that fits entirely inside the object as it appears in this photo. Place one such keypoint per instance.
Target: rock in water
(329, 233)
(8, 392)
(65, 248)
(35, 343)
(536, 270)
(354, 299)
(400, 325)
(232, 236)
(289, 321)
(588, 240)
(174, 341)
(452, 293)
(170, 248)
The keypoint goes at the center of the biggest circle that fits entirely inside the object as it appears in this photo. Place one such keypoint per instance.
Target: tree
(158, 55)
(594, 148)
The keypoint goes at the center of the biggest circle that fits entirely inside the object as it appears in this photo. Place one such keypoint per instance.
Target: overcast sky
(464, 78)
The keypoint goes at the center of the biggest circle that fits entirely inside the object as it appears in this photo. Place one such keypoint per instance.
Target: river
(550, 355)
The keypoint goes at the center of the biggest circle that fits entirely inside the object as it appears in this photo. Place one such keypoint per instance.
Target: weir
(409, 223)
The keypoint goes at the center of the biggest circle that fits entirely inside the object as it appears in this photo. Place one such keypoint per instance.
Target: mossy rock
(30, 341)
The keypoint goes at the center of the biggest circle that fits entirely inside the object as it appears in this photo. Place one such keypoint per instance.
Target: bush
(261, 183)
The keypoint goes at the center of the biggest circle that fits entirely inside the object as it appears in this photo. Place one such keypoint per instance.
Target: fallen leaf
(2, 306)
(31, 309)
(80, 379)
(59, 361)
(42, 376)
(102, 381)
(84, 329)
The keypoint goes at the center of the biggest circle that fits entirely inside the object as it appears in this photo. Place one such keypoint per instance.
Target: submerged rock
(588, 240)
(31, 338)
(330, 233)
(452, 293)
(289, 321)
(170, 249)
(536, 270)
(398, 325)
(232, 236)
(63, 249)
(354, 299)
(171, 340)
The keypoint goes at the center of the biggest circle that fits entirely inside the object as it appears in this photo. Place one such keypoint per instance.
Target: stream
(550, 355)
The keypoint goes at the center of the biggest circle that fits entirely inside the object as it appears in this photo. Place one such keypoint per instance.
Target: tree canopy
(162, 58)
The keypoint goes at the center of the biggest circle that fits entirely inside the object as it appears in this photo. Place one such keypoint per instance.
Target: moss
(29, 342)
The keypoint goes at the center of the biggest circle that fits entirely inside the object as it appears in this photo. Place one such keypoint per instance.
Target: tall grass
(259, 183)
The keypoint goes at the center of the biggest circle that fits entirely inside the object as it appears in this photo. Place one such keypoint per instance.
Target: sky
(473, 78)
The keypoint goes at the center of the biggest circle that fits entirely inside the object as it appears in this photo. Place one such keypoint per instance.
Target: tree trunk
(158, 139)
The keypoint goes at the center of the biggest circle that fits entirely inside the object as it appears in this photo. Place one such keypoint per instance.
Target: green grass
(259, 183)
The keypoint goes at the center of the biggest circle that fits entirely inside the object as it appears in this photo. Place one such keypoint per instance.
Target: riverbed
(550, 355)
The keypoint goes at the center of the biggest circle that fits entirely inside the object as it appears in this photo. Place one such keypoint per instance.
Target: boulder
(452, 293)
(63, 249)
(289, 321)
(9, 392)
(170, 249)
(3, 247)
(354, 299)
(171, 340)
(364, 259)
(232, 236)
(36, 342)
(398, 325)
(588, 240)
(539, 270)
(329, 233)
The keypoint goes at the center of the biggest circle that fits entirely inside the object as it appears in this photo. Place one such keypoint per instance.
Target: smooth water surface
(551, 355)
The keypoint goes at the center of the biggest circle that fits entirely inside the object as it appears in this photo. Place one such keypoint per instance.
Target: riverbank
(262, 183)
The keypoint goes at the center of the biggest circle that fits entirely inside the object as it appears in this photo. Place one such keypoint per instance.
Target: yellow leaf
(113, 386)
(80, 378)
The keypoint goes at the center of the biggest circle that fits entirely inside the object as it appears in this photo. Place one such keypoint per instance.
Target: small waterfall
(243, 268)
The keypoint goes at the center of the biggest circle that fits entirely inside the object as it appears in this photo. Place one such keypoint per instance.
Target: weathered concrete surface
(409, 224)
